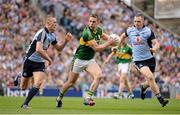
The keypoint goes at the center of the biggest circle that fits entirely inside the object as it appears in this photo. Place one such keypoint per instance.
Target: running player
(34, 62)
(144, 44)
(84, 59)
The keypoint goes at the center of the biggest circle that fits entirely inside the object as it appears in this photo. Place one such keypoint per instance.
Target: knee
(99, 74)
(122, 79)
(71, 83)
(37, 85)
(150, 78)
(98, 77)
(23, 87)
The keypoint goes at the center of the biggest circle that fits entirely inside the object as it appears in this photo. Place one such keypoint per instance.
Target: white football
(116, 37)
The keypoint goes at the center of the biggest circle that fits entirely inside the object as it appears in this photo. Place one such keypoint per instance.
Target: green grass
(46, 105)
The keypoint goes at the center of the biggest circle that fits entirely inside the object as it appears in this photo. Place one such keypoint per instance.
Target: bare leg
(69, 83)
(95, 71)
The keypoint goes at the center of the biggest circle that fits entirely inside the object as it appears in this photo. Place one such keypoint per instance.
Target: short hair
(49, 18)
(95, 16)
(139, 15)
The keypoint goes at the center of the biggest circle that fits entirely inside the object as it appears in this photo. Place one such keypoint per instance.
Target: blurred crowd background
(20, 19)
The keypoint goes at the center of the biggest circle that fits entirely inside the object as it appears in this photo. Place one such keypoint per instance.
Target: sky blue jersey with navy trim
(46, 39)
(141, 42)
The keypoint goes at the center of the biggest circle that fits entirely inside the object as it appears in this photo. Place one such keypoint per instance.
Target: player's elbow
(39, 51)
(97, 49)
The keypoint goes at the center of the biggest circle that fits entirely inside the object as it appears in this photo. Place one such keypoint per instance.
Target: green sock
(120, 94)
(61, 95)
(90, 93)
(129, 93)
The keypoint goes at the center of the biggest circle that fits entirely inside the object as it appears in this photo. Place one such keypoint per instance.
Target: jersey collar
(46, 29)
(92, 30)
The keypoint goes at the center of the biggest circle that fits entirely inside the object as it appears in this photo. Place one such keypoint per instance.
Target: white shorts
(80, 65)
(124, 67)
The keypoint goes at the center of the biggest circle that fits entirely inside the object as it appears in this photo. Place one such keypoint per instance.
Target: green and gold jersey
(124, 54)
(85, 52)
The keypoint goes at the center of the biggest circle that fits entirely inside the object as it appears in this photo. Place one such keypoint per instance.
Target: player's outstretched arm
(60, 46)
(108, 58)
(100, 47)
(105, 36)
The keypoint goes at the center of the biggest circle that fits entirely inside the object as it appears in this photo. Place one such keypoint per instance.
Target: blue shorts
(30, 66)
(151, 63)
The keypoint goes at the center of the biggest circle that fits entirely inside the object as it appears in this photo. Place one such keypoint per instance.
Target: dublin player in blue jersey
(34, 62)
(144, 45)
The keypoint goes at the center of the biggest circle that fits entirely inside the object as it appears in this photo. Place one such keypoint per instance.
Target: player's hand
(153, 50)
(68, 37)
(113, 49)
(48, 62)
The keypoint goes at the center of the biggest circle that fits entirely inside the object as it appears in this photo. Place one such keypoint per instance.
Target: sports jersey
(141, 42)
(124, 54)
(46, 38)
(84, 52)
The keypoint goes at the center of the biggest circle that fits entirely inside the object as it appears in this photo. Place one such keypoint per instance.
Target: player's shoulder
(99, 30)
(38, 33)
(130, 29)
(147, 28)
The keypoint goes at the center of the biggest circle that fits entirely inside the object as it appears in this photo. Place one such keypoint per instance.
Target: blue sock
(31, 94)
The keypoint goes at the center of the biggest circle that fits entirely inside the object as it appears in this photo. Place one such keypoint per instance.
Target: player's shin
(31, 94)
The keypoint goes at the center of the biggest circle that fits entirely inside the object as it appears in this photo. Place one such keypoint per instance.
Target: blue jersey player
(34, 62)
(144, 45)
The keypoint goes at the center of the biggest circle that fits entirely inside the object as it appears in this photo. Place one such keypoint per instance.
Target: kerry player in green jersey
(84, 59)
(123, 56)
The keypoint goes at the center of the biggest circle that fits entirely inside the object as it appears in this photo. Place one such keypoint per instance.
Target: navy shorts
(30, 66)
(151, 63)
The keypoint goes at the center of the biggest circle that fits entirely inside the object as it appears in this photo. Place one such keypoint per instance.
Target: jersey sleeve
(85, 36)
(152, 36)
(126, 33)
(100, 31)
(54, 41)
(41, 36)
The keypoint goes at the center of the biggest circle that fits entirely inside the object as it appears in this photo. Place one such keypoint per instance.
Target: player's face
(138, 22)
(93, 22)
(52, 25)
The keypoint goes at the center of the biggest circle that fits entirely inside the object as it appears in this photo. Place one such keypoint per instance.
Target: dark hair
(95, 16)
(139, 15)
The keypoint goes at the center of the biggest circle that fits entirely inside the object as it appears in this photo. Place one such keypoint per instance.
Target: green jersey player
(84, 59)
(123, 55)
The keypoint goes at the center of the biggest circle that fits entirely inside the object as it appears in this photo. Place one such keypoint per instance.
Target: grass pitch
(46, 105)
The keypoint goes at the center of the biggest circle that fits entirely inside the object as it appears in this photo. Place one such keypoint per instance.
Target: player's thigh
(38, 76)
(94, 70)
(72, 78)
(24, 82)
(146, 72)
